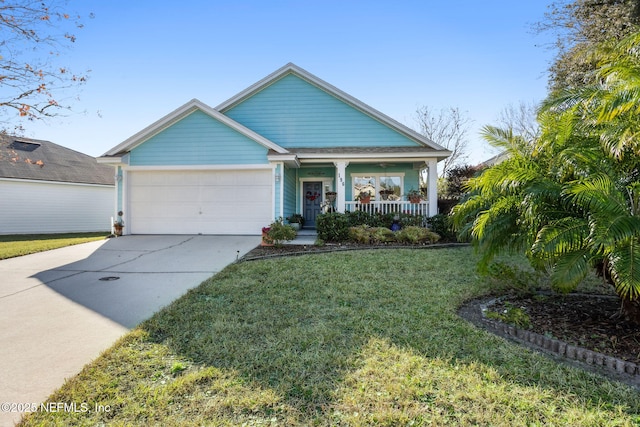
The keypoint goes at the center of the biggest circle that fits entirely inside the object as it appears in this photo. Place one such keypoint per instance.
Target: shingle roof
(33, 159)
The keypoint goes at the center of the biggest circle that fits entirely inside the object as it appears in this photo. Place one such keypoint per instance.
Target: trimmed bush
(382, 235)
(441, 224)
(337, 227)
(415, 235)
(360, 234)
(333, 227)
(279, 232)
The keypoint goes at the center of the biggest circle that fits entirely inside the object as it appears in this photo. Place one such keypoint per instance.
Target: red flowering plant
(277, 232)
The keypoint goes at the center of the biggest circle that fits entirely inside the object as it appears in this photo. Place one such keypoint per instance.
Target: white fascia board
(332, 90)
(290, 159)
(440, 155)
(110, 160)
(180, 113)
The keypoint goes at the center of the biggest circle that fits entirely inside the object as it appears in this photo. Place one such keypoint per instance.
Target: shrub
(360, 234)
(382, 235)
(442, 225)
(279, 232)
(333, 227)
(414, 235)
(357, 218)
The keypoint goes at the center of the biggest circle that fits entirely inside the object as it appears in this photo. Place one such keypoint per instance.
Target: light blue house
(280, 147)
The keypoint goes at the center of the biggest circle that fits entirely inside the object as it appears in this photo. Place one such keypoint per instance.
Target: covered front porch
(311, 185)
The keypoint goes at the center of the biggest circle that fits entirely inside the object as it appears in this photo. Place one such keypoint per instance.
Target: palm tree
(571, 199)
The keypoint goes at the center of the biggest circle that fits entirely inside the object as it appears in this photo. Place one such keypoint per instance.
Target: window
(391, 184)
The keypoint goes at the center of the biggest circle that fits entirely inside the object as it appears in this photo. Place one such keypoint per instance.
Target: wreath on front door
(312, 196)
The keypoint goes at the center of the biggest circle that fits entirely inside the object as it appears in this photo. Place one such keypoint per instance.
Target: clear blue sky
(149, 57)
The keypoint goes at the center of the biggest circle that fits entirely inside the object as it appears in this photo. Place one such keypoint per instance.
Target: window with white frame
(381, 186)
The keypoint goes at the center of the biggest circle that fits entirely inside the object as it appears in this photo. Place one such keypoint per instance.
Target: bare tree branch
(447, 127)
(521, 119)
(33, 35)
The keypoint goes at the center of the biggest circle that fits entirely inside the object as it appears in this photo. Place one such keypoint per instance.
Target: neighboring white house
(47, 188)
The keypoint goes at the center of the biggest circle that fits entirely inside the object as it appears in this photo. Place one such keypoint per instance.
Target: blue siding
(290, 191)
(198, 139)
(294, 113)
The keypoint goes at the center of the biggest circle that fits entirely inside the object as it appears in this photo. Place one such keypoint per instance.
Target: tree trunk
(629, 309)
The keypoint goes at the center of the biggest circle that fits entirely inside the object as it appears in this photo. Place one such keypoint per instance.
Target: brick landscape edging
(622, 370)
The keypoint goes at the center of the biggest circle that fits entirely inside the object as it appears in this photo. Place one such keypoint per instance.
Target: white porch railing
(383, 207)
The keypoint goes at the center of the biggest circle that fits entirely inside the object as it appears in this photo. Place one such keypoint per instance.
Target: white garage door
(199, 202)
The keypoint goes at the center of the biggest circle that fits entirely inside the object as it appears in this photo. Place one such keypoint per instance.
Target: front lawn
(24, 244)
(349, 338)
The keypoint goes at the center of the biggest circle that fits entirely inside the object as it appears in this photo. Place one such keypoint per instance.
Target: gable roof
(291, 68)
(177, 115)
(34, 159)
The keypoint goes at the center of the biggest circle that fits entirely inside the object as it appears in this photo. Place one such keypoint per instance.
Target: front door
(311, 206)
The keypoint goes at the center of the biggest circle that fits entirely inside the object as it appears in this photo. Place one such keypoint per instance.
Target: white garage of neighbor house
(290, 143)
(47, 188)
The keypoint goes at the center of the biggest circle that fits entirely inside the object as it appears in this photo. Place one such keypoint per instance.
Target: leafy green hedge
(334, 227)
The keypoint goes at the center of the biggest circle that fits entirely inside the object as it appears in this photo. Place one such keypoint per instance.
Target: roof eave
(109, 160)
(368, 157)
(289, 159)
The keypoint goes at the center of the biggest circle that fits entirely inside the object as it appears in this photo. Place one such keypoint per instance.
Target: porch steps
(306, 236)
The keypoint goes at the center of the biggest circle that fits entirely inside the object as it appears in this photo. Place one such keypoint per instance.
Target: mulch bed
(589, 321)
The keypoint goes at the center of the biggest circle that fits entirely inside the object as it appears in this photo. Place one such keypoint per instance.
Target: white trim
(182, 112)
(109, 160)
(371, 157)
(39, 181)
(199, 167)
(125, 201)
(291, 68)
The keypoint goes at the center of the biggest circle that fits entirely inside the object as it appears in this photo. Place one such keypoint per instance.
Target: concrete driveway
(60, 309)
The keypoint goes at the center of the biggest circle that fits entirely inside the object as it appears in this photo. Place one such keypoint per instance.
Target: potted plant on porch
(384, 194)
(330, 196)
(296, 221)
(364, 197)
(414, 196)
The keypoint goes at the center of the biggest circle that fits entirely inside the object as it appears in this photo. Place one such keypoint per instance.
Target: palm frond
(561, 237)
(624, 266)
(569, 270)
(597, 193)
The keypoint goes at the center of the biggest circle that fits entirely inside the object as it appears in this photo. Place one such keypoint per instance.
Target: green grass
(357, 338)
(24, 244)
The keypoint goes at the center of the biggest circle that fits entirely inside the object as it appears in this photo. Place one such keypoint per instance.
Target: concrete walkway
(305, 236)
(60, 309)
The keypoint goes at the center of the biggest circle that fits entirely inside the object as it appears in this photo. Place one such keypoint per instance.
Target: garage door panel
(194, 202)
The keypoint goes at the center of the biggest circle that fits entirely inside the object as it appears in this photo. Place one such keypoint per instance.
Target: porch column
(432, 186)
(341, 167)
